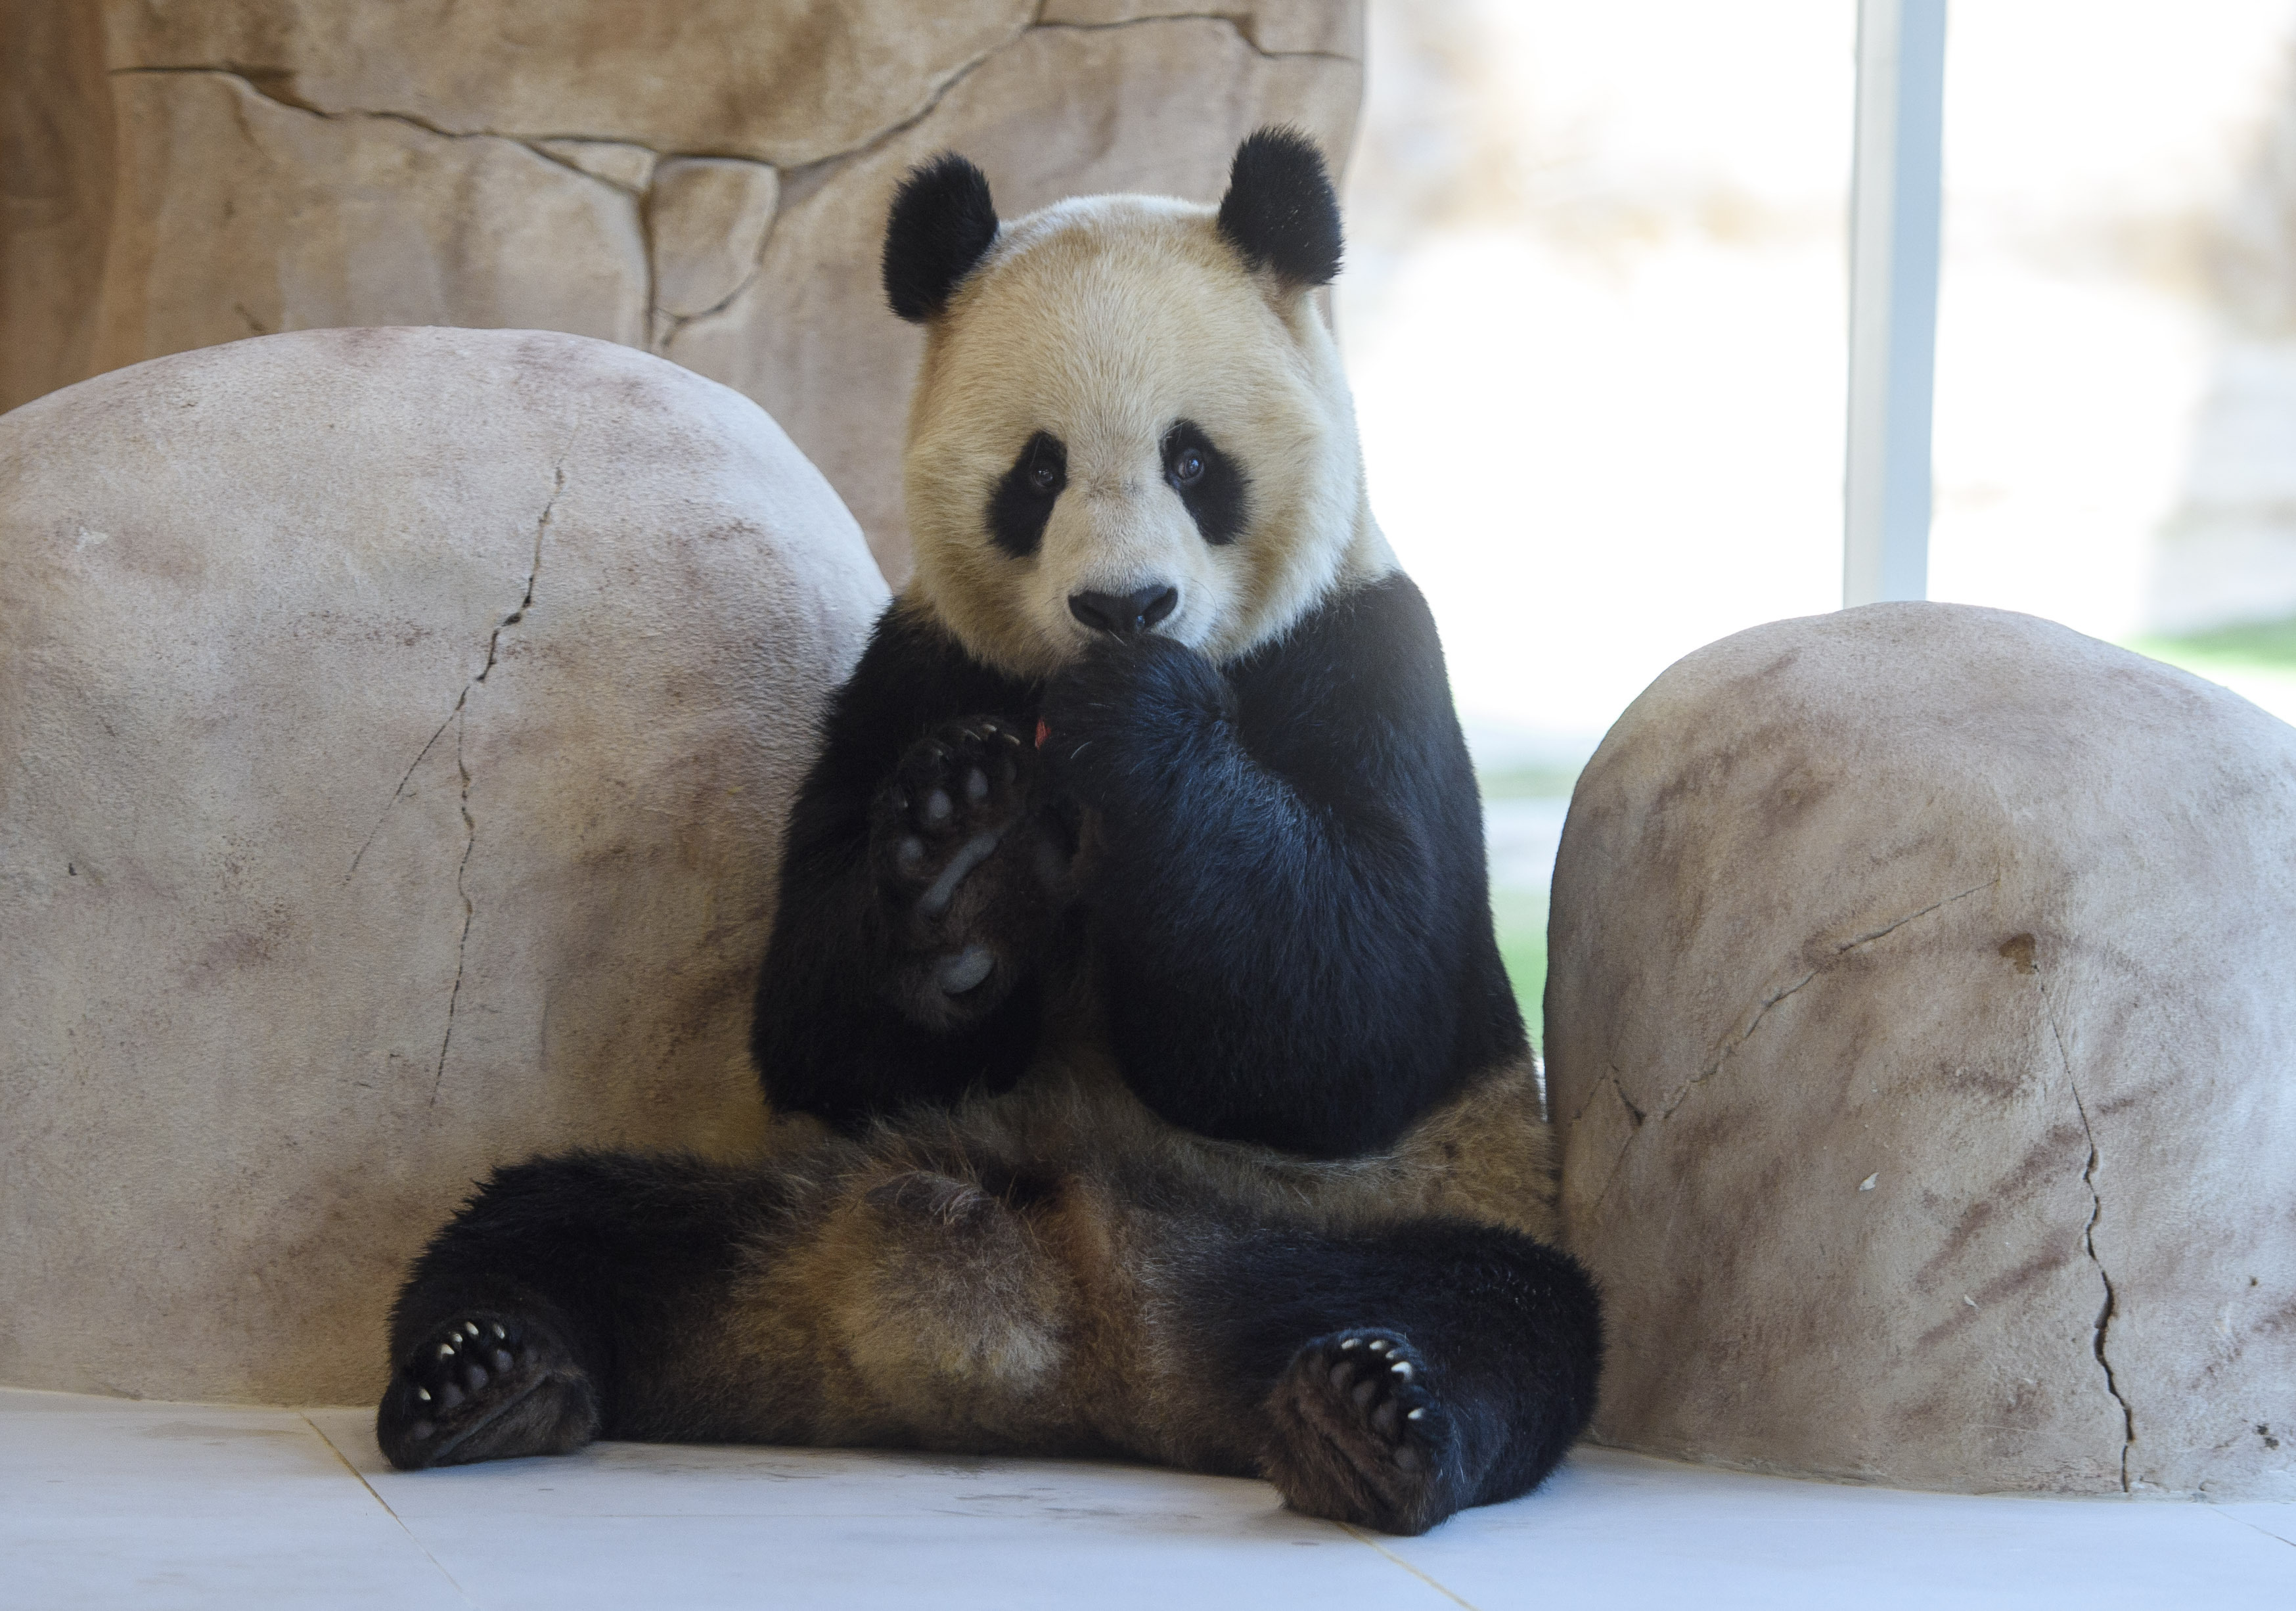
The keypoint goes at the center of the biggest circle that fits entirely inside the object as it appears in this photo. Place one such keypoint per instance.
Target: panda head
(1130, 417)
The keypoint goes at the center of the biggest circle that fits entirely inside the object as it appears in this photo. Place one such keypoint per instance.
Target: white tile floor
(105, 1502)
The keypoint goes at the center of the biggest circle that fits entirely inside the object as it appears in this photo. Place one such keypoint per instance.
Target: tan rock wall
(705, 178)
(395, 733)
(1922, 1033)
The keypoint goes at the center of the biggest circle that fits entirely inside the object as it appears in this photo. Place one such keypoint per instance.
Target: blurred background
(1596, 314)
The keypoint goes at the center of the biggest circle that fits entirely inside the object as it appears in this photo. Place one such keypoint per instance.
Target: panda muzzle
(1125, 614)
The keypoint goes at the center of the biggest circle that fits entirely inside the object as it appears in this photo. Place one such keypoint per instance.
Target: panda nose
(1126, 613)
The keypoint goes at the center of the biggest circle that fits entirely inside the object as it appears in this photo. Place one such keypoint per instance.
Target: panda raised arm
(1158, 720)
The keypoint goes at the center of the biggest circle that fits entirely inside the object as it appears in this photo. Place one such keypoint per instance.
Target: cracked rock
(397, 727)
(241, 216)
(706, 220)
(197, 174)
(788, 82)
(627, 167)
(1276, 27)
(1922, 1044)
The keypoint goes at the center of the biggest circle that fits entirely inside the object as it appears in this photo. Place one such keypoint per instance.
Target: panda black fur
(1134, 946)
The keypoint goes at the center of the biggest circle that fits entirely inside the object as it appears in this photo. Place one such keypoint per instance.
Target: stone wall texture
(705, 179)
(396, 732)
(1922, 1031)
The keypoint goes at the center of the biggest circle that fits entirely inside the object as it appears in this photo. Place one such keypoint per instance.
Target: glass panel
(1594, 315)
(2116, 397)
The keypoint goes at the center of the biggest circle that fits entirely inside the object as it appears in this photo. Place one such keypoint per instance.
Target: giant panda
(1146, 1076)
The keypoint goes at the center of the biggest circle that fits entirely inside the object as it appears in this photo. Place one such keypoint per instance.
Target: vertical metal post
(1895, 203)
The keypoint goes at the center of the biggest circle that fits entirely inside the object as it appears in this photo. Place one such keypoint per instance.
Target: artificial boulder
(705, 178)
(397, 728)
(1922, 1031)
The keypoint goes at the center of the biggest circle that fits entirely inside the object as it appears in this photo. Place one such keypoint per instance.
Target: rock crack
(2102, 1329)
(1722, 1057)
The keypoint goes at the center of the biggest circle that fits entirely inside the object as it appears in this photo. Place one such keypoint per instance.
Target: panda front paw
(970, 868)
(1128, 716)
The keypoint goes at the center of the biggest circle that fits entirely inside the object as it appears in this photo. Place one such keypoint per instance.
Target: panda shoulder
(1371, 644)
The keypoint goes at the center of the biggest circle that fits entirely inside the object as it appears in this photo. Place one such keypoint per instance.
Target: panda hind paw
(485, 1386)
(1360, 1435)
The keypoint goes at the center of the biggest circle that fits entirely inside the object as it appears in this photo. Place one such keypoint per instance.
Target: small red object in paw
(1044, 731)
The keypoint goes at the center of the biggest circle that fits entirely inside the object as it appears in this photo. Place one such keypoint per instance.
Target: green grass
(1521, 916)
(2256, 646)
(1528, 782)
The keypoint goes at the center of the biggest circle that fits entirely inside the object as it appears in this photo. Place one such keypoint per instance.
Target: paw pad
(1362, 1434)
(959, 845)
(454, 1379)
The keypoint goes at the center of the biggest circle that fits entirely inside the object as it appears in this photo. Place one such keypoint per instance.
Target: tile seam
(461, 1593)
(1363, 1538)
(2241, 1521)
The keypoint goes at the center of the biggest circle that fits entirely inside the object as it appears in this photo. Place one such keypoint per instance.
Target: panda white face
(1120, 427)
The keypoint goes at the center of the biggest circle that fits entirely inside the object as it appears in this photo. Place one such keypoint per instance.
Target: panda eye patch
(1023, 499)
(1212, 485)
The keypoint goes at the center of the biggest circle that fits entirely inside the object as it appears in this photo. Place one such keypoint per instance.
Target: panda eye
(1021, 502)
(1212, 485)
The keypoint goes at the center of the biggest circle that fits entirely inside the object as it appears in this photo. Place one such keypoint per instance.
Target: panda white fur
(1149, 1079)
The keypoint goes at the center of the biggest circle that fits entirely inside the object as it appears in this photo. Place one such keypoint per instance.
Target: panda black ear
(1279, 211)
(941, 224)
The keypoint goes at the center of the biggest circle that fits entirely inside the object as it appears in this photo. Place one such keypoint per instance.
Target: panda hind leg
(1414, 1371)
(555, 1307)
